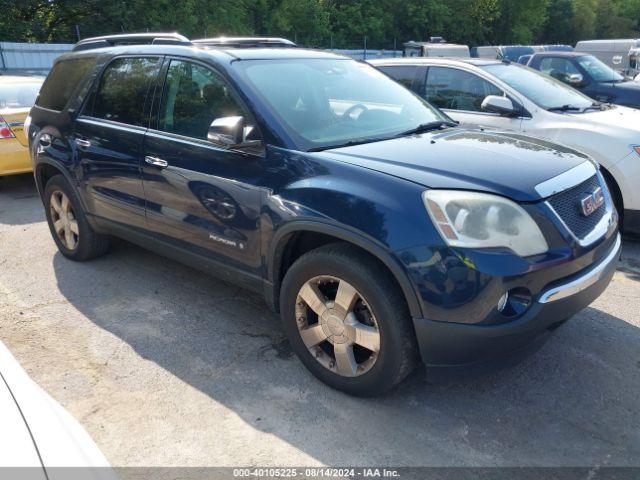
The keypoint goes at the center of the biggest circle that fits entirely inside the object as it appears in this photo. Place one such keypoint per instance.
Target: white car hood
(616, 117)
(41, 432)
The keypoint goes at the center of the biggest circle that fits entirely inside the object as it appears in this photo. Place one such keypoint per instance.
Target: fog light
(503, 301)
(515, 302)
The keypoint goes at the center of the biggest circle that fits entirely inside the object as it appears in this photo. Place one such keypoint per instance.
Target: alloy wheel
(64, 220)
(337, 325)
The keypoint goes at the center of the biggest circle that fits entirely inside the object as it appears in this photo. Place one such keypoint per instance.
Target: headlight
(481, 220)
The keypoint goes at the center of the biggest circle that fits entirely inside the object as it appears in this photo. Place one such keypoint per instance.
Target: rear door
(201, 198)
(460, 94)
(108, 138)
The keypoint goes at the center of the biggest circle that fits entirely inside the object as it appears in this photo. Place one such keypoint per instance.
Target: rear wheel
(347, 321)
(68, 224)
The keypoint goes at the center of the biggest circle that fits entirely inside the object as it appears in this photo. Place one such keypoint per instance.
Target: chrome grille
(567, 205)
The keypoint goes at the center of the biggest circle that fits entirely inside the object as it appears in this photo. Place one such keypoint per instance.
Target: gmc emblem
(592, 202)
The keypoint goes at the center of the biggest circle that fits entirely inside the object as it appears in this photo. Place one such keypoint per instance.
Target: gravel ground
(165, 366)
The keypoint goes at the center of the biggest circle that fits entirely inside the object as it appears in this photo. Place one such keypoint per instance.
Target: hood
(617, 116)
(464, 158)
(627, 86)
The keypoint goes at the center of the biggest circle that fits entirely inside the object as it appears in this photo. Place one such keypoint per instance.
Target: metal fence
(30, 58)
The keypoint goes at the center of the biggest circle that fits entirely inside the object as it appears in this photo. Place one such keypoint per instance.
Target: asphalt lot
(165, 366)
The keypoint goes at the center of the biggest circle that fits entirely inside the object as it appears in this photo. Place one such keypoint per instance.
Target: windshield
(541, 89)
(19, 95)
(330, 102)
(599, 71)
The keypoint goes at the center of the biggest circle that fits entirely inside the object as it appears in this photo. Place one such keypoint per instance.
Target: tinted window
(559, 68)
(403, 74)
(62, 81)
(457, 90)
(19, 95)
(122, 90)
(193, 97)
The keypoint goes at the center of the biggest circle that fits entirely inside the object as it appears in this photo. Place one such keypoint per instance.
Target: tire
(616, 196)
(84, 243)
(378, 304)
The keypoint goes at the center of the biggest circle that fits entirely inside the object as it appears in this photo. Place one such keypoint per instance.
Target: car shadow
(15, 190)
(574, 402)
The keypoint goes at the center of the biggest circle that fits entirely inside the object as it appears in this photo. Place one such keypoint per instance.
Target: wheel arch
(283, 245)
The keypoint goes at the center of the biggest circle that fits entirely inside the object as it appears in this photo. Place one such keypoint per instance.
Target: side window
(454, 89)
(62, 81)
(559, 68)
(122, 90)
(193, 97)
(403, 74)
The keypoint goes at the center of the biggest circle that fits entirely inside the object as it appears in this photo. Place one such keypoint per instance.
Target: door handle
(83, 143)
(156, 162)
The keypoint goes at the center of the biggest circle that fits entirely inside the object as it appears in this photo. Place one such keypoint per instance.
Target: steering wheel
(354, 108)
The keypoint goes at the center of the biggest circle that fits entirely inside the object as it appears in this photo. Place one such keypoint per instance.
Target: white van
(619, 54)
(435, 49)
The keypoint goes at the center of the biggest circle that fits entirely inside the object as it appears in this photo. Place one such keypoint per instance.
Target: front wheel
(347, 320)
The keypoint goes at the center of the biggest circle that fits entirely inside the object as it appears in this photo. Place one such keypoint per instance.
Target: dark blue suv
(381, 231)
(589, 75)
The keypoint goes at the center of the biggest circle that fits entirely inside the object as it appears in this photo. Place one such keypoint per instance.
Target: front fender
(344, 233)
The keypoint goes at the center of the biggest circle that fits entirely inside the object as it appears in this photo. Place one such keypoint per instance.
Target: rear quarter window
(62, 81)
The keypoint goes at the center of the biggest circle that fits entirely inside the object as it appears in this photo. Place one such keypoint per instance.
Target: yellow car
(17, 95)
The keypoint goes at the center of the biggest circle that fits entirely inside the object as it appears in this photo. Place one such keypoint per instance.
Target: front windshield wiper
(423, 127)
(565, 108)
(427, 127)
(350, 143)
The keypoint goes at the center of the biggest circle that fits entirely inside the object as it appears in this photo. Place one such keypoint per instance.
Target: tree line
(328, 23)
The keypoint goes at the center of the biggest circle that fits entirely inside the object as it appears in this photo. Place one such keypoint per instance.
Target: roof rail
(245, 42)
(131, 39)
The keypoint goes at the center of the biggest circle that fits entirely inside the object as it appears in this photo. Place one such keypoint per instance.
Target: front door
(202, 198)
(108, 139)
(460, 95)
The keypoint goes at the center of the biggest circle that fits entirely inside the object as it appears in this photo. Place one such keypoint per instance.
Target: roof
(560, 54)
(278, 53)
(269, 53)
(22, 79)
(479, 62)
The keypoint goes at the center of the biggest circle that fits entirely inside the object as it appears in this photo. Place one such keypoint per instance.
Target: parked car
(524, 59)
(435, 47)
(515, 53)
(502, 52)
(39, 439)
(378, 228)
(619, 54)
(589, 75)
(17, 95)
(512, 97)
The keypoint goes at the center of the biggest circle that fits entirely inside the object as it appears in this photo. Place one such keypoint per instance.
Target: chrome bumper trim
(585, 281)
(566, 180)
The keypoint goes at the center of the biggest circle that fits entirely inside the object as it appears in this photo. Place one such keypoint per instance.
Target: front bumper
(448, 344)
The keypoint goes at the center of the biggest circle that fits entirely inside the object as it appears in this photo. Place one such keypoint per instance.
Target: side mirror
(576, 80)
(499, 105)
(226, 132)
